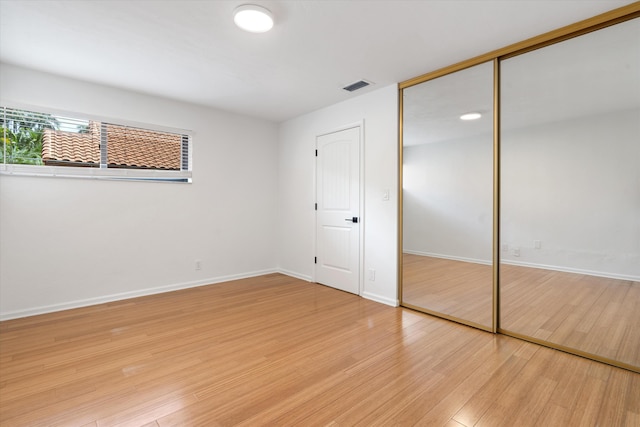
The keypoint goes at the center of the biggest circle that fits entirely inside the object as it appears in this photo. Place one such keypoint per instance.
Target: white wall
(72, 242)
(448, 199)
(575, 187)
(297, 138)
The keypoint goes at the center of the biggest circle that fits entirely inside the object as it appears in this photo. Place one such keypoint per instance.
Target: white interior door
(338, 219)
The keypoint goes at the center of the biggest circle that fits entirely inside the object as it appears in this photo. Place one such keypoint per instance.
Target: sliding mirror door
(570, 195)
(448, 196)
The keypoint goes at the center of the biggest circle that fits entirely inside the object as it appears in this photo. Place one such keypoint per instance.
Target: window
(35, 143)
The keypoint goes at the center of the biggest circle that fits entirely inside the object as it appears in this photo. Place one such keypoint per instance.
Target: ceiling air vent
(357, 85)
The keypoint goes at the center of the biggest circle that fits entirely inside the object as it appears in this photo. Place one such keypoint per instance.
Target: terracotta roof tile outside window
(127, 147)
(132, 147)
(60, 148)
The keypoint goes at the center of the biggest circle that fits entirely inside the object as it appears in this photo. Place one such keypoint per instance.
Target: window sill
(97, 173)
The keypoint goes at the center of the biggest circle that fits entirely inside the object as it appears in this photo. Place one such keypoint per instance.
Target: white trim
(380, 299)
(127, 295)
(96, 173)
(359, 123)
(573, 270)
(314, 235)
(304, 277)
(451, 257)
(363, 220)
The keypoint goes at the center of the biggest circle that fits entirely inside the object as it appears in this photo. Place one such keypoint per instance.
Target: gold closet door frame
(595, 23)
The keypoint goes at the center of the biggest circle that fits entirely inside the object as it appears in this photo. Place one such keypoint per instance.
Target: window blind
(42, 139)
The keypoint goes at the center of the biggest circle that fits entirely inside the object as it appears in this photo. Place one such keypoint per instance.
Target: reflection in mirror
(570, 199)
(447, 196)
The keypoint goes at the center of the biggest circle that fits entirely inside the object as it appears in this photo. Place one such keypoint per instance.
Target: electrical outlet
(505, 247)
(516, 251)
(372, 275)
(537, 244)
(198, 264)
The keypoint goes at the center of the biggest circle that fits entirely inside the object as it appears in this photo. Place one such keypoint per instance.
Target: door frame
(362, 219)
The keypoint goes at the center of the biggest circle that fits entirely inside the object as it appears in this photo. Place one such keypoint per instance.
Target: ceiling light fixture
(470, 116)
(252, 18)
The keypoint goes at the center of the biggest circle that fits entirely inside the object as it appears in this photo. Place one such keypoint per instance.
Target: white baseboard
(126, 295)
(380, 299)
(572, 270)
(530, 264)
(34, 311)
(304, 277)
(366, 295)
(451, 257)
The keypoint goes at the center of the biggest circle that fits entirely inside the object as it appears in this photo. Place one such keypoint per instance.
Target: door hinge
(316, 153)
(316, 206)
(315, 260)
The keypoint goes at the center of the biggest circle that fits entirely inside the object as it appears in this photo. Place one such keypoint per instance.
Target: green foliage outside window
(21, 134)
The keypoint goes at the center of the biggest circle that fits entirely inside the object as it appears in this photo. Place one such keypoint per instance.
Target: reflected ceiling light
(470, 116)
(252, 18)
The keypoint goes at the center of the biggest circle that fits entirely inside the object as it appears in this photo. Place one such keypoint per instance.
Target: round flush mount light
(470, 116)
(252, 18)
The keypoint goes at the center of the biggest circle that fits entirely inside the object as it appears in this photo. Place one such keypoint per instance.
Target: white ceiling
(597, 73)
(191, 51)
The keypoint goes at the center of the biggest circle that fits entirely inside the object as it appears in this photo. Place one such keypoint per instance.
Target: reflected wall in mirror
(570, 194)
(448, 196)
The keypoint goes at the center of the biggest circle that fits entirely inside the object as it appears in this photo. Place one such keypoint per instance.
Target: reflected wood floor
(460, 289)
(593, 314)
(278, 351)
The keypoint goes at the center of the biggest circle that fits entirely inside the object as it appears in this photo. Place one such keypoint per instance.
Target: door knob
(354, 219)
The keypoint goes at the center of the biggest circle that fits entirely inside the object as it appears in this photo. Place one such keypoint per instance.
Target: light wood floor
(278, 351)
(592, 314)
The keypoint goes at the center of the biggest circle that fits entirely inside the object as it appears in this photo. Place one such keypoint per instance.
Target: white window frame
(181, 176)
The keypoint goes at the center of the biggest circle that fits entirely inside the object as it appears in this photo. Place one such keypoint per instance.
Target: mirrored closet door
(447, 133)
(570, 194)
(526, 220)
